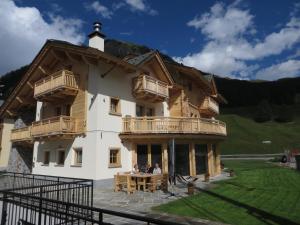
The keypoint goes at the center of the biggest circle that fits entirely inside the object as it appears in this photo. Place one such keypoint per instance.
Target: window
(68, 110)
(60, 157)
(77, 156)
(58, 111)
(149, 112)
(115, 106)
(46, 159)
(139, 110)
(144, 111)
(114, 157)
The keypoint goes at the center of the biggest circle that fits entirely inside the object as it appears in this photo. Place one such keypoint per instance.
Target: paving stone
(140, 203)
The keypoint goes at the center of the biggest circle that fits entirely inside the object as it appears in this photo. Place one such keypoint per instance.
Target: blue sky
(239, 39)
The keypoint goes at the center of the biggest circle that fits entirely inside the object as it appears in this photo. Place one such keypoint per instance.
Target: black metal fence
(27, 199)
(70, 190)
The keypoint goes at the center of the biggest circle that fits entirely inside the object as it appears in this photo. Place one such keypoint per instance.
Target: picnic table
(133, 182)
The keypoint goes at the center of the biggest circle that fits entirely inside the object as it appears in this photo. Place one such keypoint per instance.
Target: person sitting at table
(135, 169)
(149, 168)
(157, 169)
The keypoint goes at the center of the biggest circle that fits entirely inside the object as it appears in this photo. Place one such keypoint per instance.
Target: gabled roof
(62, 45)
(217, 95)
(140, 60)
(178, 70)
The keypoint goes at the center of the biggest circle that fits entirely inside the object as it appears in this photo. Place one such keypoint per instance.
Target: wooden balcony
(150, 89)
(58, 85)
(62, 127)
(21, 134)
(209, 106)
(172, 125)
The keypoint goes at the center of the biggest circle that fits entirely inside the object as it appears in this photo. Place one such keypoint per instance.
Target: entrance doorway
(153, 156)
(182, 159)
(142, 156)
(201, 158)
(156, 155)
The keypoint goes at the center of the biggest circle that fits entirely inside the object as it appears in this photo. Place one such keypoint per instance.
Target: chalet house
(81, 112)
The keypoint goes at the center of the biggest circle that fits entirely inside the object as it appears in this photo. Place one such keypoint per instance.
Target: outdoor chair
(141, 182)
(155, 182)
(124, 181)
(187, 179)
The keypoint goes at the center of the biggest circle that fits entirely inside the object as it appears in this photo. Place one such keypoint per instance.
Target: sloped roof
(141, 58)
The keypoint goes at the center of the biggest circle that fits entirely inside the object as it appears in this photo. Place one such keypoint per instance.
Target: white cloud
(290, 68)
(229, 31)
(24, 31)
(136, 6)
(99, 9)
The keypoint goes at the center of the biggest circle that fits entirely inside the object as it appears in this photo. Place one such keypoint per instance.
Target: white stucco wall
(102, 132)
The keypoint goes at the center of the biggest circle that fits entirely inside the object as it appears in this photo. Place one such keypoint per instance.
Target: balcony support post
(149, 153)
(165, 160)
(192, 159)
(134, 154)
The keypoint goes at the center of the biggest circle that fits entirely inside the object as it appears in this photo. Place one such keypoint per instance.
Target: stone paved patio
(140, 202)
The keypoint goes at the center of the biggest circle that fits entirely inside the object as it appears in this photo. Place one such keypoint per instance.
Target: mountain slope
(244, 134)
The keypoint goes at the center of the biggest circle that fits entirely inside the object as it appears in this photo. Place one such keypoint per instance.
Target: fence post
(100, 218)
(4, 210)
(40, 207)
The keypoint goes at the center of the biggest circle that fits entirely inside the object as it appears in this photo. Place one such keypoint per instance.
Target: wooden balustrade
(21, 134)
(148, 87)
(55, 126)
(63, 80)
(210, 105)
(156, 125)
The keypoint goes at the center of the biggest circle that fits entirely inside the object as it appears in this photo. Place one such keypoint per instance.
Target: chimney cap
(97, 25)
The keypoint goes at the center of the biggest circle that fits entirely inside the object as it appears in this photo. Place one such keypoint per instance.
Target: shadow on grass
(255, 212)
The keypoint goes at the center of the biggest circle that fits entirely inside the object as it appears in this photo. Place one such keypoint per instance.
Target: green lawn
(261, 193)
(245, 136)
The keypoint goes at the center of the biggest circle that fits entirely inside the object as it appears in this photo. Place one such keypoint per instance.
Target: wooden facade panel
(175, 104)
(79, 105)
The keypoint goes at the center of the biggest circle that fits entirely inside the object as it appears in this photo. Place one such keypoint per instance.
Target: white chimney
(96, 38)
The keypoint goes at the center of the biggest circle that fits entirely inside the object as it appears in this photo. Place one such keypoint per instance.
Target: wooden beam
(73, 57)
(43, 70)
(21, 100)
(58, 55)
(11, 113)
(29, 84)
(89, 60)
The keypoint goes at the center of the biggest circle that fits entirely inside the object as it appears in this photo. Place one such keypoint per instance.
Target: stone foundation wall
(20, 158)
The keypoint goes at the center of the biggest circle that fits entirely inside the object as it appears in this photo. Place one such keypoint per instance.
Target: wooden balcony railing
(209, 104)
(61, 125)
(62, 80)
(156, 125)
(146, 86)
(21, 134)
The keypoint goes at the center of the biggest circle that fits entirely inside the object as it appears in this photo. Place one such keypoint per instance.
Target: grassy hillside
(245, 136)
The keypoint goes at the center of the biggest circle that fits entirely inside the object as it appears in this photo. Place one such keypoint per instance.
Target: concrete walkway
(140, 202)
